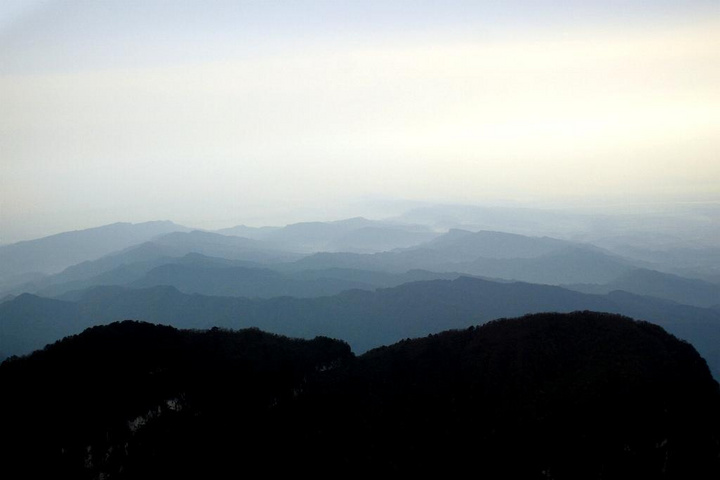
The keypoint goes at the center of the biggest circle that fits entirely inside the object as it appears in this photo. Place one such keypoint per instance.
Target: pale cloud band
(541, 115)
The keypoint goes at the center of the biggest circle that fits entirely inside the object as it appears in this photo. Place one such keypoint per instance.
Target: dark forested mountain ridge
(579, 395)
(136, 400)
(564, 396)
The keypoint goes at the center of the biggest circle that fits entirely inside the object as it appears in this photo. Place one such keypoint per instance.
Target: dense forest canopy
(578, 395)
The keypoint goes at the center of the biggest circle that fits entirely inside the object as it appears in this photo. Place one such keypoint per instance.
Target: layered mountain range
(350, 347)
(368, 282)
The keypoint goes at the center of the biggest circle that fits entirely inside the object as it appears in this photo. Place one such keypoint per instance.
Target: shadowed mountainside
(136, 400)
(579, 395)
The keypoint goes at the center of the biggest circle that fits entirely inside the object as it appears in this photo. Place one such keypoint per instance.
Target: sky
(218, 113)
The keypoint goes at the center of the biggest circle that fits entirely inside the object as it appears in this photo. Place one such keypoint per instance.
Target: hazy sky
(215, 113)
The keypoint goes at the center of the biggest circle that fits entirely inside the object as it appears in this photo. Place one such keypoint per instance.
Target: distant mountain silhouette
(224, 280)
(563, 396)
(494, 255)
(488, 254)
(240, 282)
(224, 246)
(391, 262)
(662, 285)
(6, 298)
(358, 235)
(680, 240)
(377, 279)
(380, 238)
(557, 268)
(130, 264)
(702, 262)
(465, 246)
(365, 319)
(146, 266)
(523, 221)
(56, 252)
(114, 269)
(29, 322)
(255, 233)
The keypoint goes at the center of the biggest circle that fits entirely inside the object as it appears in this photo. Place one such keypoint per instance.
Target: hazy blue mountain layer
(662, 285)
(365, 319)
(357, 235)
(56, 252)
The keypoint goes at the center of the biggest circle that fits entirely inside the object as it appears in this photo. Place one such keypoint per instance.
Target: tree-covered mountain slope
(564, 396)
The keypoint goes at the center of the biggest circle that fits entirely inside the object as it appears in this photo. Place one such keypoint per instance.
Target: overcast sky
(216, 113)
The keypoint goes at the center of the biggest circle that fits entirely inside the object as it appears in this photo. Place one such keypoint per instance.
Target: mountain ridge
(55, 252)
(365, 319)
(576, 395)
